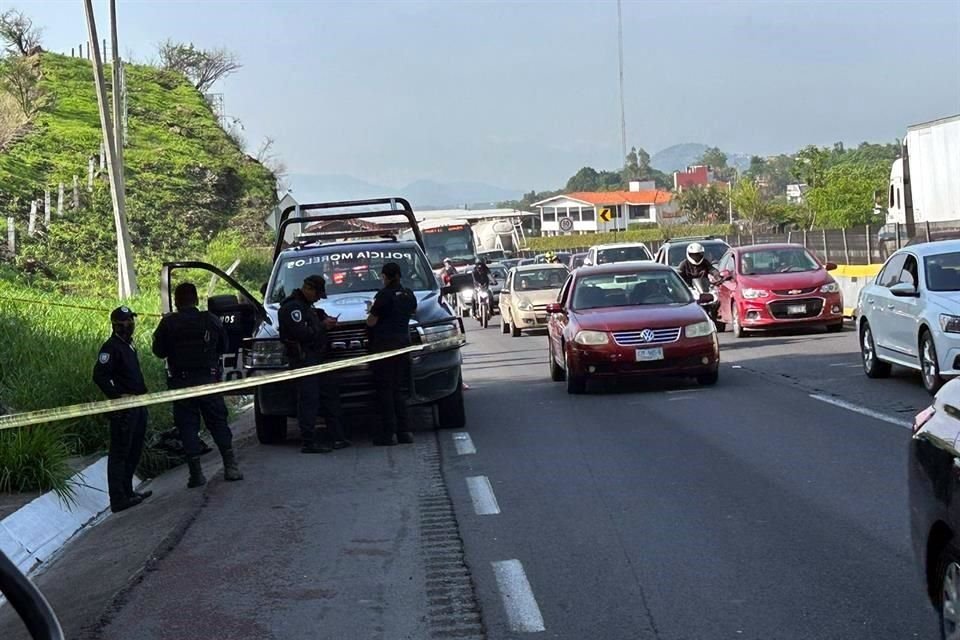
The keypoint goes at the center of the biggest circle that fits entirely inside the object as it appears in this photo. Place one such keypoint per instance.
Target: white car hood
(948, 301)
(351, 307)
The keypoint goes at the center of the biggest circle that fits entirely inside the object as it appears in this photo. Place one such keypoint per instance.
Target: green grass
(35, 459)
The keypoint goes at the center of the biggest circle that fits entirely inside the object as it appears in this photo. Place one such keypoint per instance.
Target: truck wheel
(451, 414)
(270, 429)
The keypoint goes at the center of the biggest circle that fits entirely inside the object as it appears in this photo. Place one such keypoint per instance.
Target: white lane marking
(522, 609)
(676, 391)
(464, 443)
(870, 413)
(845, 364)
(481, 493)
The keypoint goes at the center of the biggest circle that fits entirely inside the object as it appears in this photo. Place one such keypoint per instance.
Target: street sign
(606, 214)
(566, 224)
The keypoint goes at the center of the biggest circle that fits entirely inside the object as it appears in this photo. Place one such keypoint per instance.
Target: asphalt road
(746, 510)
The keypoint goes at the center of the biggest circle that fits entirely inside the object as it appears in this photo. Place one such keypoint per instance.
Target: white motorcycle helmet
(695, 253)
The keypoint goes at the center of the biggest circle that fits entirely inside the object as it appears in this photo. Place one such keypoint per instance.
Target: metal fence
(869, 244)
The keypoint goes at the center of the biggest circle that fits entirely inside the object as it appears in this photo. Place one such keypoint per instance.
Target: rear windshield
(352, 271)
(713, 251)
(630, 289)
(623, 254)
(943, 271)
(539, 279)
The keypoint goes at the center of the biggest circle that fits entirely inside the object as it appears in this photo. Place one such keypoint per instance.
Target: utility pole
(623, 113)
(127, 277)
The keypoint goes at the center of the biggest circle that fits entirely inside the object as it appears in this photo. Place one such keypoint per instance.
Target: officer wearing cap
(303, 330)
(192, 342)
(117, 373)
(388, 325)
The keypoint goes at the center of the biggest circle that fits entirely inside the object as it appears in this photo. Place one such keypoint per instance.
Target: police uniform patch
(125, 309)
(104, 358)
(295, 315)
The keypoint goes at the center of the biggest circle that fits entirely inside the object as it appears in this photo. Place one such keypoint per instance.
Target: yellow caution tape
(57, 414)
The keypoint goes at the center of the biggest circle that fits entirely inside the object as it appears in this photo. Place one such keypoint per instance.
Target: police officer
(117, 373)
(388, 324)
(303, 329)
(192, 342)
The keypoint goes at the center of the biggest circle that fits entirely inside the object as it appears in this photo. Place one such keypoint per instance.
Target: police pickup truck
(350, 260)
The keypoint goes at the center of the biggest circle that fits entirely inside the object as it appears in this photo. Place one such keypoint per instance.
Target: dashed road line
(481, 493)
(464, 443)
(523, 613)
(870, 413)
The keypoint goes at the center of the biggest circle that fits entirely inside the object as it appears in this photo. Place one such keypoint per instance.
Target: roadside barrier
(57, 414)
(852, 278)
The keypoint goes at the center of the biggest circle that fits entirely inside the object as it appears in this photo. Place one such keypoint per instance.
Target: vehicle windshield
(766, 261)
(539, 279)
(943, 271)
(454, 242)
(489, 256)
(352, 271)
(713, 251)
(630, 289)
(623, 254)
(498, 273)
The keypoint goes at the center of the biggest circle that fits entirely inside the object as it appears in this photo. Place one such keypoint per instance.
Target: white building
(585, 209)
(795, 193)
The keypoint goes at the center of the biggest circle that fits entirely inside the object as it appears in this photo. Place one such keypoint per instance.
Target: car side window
(909, 273)
(562, 298)
(726, 262)
(891, 273)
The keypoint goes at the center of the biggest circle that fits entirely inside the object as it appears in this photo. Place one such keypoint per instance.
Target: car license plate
(649, 355)
(796, 308)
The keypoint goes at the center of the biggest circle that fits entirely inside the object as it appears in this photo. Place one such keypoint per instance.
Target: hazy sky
(522, 94)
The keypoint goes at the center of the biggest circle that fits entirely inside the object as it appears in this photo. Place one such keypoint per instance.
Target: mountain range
(430, 194)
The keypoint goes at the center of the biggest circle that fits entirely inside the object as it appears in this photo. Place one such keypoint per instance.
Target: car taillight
(923, 418)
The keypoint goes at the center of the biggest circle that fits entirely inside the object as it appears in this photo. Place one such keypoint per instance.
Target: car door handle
(890, 307)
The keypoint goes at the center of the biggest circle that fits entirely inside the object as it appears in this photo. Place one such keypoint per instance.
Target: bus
(449, 238)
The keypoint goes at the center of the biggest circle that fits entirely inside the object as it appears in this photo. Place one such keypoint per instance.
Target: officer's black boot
(312, 445)
(231, 471)
(197, 478)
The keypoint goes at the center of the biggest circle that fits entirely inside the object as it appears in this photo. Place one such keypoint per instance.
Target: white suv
(622, 252)
(910, 314)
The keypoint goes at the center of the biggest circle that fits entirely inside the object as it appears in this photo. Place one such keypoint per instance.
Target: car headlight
(751, 294)
(439, 332)
(830, 287)
(949, 324)
(592, 337)
(699, 329)
(525, 305)
(265, 354)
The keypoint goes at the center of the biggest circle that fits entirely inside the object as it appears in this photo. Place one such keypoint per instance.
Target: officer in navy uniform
(192, 342)
(388, 325)
(303, 329)
(117, 373)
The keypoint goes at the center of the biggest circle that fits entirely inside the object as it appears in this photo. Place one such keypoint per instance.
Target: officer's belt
(57, 414)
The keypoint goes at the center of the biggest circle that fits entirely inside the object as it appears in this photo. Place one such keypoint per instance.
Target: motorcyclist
(550, 258)
(482, 278)
(697, 266)
(448, 271)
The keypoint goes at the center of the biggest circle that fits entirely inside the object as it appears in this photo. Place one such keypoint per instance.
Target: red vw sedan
(629, 318)
(776, 285)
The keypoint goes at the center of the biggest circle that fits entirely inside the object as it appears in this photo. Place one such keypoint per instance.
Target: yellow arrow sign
(606, 214)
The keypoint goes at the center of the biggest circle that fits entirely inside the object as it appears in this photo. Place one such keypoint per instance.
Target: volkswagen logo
(647, 335)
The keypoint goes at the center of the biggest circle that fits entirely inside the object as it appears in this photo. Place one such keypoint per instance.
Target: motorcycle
(702, 286)
(484, 305)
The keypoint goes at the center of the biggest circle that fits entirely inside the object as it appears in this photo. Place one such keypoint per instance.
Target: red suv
(777, 285)
(626, 319)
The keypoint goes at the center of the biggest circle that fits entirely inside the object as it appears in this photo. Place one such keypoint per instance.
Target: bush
(35, 459)
(656, 234)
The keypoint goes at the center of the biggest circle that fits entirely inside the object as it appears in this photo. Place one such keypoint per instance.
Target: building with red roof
(583, 211)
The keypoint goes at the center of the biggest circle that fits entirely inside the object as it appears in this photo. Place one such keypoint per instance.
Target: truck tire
(270, 429)
(450, 411)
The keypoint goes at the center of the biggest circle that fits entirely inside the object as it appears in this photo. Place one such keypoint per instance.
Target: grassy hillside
(191, 193)
(187, 180)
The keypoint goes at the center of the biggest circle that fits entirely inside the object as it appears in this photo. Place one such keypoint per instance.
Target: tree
(18, 34)
(266, 156)
(749, 203)
(810, 165)
(714, 158)
(704, 204)
(845, 196)
(202, 67)
(19, 79)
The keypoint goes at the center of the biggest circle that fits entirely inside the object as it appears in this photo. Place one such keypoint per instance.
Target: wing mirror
(706, 298)
(904, 290)
(830, 266)
(554, 307)
(725, 275)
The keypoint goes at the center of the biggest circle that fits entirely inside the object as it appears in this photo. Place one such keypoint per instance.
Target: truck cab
(350, 262)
